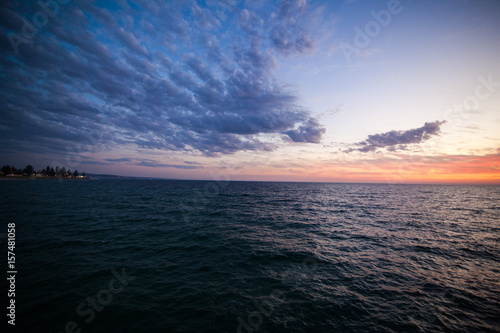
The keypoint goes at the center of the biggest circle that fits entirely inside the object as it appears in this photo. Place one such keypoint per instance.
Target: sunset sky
(341, 91)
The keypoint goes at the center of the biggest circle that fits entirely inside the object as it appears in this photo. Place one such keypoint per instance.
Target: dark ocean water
(189, 256)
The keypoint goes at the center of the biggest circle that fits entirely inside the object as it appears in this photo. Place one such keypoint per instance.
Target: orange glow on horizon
(436, 169)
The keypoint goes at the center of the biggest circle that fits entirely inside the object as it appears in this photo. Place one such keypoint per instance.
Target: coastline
(48, 178)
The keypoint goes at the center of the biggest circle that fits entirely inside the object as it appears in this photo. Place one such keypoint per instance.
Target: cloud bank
(394, 140)
(177, 75)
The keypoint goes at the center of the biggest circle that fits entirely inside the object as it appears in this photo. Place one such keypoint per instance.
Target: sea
(139, 255)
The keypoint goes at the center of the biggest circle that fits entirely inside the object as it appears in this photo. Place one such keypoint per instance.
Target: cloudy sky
(355, 91)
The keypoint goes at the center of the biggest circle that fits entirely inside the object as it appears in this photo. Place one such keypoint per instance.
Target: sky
(330, 91)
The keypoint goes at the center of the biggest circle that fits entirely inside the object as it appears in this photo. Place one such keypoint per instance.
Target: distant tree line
(29, 171)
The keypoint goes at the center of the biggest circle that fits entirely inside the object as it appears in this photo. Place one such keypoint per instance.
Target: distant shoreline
(35, 178)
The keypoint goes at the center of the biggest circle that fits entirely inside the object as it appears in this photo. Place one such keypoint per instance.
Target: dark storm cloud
(160, 75)
(397, 140)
